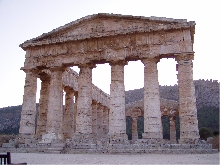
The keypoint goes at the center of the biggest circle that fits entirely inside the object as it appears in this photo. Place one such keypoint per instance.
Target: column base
(118, 138)
(79, 138)
(26, 139)
(52, 138)
(152, 135)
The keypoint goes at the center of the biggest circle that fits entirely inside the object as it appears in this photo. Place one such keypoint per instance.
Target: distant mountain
(207, 101)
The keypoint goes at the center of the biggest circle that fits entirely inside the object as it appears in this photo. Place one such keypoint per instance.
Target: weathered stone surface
(105, 120)
(43, 105)
(100, 133)
(172, 129)
(68, 117)
(84, 101)
(96, 121)
(28, 114)
(152, 113)
(134, 129)
(55, 105)
(187, 101)
(117, 122)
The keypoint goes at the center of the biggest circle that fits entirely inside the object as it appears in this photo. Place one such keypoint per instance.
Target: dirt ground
(34, 158)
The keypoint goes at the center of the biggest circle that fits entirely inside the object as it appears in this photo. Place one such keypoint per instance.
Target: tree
(204, 133)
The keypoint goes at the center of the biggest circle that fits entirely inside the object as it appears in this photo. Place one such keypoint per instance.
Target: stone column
(68, 117)
(28, 113)
(84, 102)
(75, 112)
(99, 122)
(134, 128)
(117, 118)
(94, 120)
(105, 121)
(152, 113)
(55, 108)
(189, 132)
(43, 105)
(172, 129)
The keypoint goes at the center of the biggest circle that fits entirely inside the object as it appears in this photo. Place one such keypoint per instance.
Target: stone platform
(125, 147)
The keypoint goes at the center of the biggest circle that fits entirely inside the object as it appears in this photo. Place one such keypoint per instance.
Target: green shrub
(204, 133)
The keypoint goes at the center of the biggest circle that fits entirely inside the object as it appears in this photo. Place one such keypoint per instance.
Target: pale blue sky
(21, 20)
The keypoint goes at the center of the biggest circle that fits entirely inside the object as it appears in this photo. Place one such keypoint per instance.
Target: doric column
(75, 112)
(172, 129)
(99, 122)
(105, 121)
(152, 113)
(68, 117)
(94, 119)
(187, 101)
(134, 128)
(117, 118)
(28, 113)
(43, 105)
(84, 102)
(55, 107)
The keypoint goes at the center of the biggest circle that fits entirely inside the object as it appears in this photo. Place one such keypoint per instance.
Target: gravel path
(34, 158)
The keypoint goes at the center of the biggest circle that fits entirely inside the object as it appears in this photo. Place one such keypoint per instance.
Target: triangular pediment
(103, 25)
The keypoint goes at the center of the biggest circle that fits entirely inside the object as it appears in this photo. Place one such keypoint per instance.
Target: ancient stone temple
(92, 120)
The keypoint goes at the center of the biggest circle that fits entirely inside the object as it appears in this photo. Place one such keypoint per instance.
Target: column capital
(32, 70)
(184, 57)
(146, 61)
(118, 63)
(69, 89)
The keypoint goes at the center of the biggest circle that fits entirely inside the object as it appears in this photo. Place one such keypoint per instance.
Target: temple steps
(55, 148)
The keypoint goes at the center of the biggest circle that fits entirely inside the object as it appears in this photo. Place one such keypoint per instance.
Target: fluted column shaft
(105, 121)
(100, 121)
(55, 105)
(172, 129)
(117, 118)
(84, 101)
(152, 113)
(75, 112)
(28, 113)
(43, 106)
(68, 117)
(187, 100)
(94, 120)
(134, 129)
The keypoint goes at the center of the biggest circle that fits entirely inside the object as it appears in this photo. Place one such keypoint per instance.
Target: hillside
(207, 93)
(207, 101)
